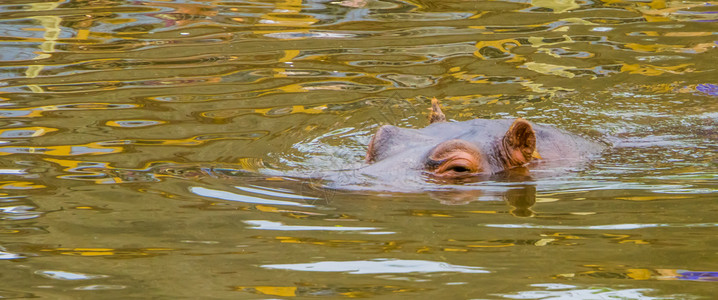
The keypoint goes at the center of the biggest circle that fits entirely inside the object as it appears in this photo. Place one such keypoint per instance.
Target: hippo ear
(378, 142)
(436, 114)
(520, 143)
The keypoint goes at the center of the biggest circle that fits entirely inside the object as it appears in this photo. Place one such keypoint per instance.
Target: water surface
(147, 145)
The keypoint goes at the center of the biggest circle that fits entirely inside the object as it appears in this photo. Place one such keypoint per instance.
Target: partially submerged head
(457, 150)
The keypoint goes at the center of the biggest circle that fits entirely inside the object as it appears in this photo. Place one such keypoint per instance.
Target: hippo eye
(454, 159)
(458, 166)
(459, 169)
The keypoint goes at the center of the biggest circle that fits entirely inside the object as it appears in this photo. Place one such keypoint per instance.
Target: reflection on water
(327, 291)
(644, 274)
(267, 225)
(565, 291)
(237, 197)
(378, 266)
(60, 275)
(180, 148)
(604, 227)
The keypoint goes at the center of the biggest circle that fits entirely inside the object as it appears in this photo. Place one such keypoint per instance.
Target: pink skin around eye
(457, 160)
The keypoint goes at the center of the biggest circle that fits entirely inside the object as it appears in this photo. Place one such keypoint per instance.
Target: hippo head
(455, 151)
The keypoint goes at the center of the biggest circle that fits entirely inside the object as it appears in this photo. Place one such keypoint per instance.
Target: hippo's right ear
(381, 140)
(520, 143)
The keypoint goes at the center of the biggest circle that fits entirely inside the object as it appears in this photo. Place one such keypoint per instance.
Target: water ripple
(227, 115)
(378, 266)
(604, 227)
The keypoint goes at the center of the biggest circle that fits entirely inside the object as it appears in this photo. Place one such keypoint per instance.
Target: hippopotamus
(469, 151)
(453, 162)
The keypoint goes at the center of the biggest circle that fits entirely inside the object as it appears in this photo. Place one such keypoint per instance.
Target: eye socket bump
(459, 163)
(454, 159)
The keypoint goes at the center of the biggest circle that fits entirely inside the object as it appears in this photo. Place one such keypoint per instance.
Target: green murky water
(144, 147)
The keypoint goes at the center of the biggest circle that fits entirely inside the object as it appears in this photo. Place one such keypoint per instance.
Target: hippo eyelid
(451, 146)
(433, 164)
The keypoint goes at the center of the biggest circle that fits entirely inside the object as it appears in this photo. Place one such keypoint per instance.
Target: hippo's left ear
(520, 143)
(436, 115)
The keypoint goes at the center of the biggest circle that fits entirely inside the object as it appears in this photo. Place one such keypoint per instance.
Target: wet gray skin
(407, 150)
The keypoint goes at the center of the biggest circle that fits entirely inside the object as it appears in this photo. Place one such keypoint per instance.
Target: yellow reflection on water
(557, 6)
(20, 185)
(287, 13)
(284, 291)
(454, 250)
(429, 213)
(504, 46)
(64, 150)
(312, 290)
(51, 25)
(37, 111)
(103, 173)
(296, 109)
(633, 273)
(652, 198)
(22, 132)
(696, 48)
(134, 123)
(550, 69)
(116, 146)
(319, 242)
(111, 252)
(490, 245)
(651, 70)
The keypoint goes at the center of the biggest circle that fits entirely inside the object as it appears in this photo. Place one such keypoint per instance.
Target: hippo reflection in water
(459, 152)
